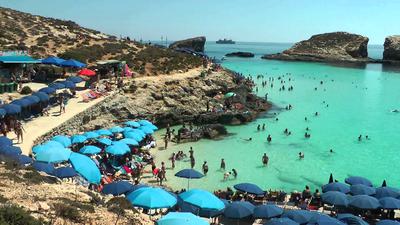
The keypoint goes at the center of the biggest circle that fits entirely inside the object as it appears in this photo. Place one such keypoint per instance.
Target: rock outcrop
(328, 47)
(240, 54)
(196, 44)
(392, 48)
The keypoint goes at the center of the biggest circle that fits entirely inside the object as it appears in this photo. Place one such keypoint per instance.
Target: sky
(284, 21)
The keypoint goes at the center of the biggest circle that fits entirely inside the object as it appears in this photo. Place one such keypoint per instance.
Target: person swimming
(258, 127)
(222, 167)
(316, 113)
(307, 135)
(269, 138)
(305, 119)
(301, 155)
(263, 126)
(360, 138)
(331, 151)
(286, 131)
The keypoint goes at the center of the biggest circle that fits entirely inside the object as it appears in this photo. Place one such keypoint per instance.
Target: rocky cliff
(329, 47)
(240, 54)
(196, 44)
(392, 48)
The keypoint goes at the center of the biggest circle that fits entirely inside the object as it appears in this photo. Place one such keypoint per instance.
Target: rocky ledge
(328, 47)
(240, 54)
(196, 44)
(392, 48)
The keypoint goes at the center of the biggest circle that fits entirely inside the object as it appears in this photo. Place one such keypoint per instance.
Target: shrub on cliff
(14, 215)
(67, 212)
(26, 90)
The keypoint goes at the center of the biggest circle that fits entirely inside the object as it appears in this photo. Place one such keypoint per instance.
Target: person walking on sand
(205, 168)
(265, 159)
(222, 167)
(19, 129)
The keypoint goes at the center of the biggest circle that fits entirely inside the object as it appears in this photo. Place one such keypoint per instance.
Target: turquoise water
(359, 101)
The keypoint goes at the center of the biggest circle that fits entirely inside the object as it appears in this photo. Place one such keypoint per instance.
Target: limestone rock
(196, 44)
(392, 48)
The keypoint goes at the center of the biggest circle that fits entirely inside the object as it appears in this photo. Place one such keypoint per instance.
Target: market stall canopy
(72, 63)
(18, 59)
(53, 60)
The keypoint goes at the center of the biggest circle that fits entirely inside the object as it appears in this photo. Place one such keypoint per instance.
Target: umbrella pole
(188, 184)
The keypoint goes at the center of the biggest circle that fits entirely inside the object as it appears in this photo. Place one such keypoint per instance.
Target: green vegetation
(26, 90)
(14, 215)
(67, 212)
(84, 207)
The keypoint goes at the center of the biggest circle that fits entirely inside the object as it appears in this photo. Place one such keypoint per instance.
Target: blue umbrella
(53, 144)
(361, 189)
(389, 203)
(140, 132)
(127, 129)
(179, 218)
(189, 174)
(42, 96)
(44, 167)
(281, 221)
(117, 188)
(12, 109)
(116, 129)
(358, 180)
(104, 132)
(336, 186)
(249, 188)
(85, 167)
(90, 150)
(21, 102)
(151, 126)
(68, 84)
(239, 210)
(138, 186)
(76, 139)
(47, 90)
(65, 172)
(57, 85)
(364, 202)
(133, 135)
(72, 63)
(388, 222)
(22, 159)
(336, 198)
(300, 216)
(10, 150)
(5, 141)
(351, 219)
(202, 199)
(104, 141)
(386, 192)
(3, 112)
(130, 141)
(117, 149)
(145, 122)
(91, 134)
(32, 99)
(267, 211)
(64, 140)
(206, 213)
(38, 148)
(151, 198)
(132, 124)
(56, 155)
(146, 130)
(75, 79)
(323, 219)
(53, 60)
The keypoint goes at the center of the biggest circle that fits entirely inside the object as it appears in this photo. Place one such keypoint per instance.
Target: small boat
(225, 41)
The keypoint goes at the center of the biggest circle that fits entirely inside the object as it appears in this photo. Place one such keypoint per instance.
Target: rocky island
(196, 44)
(392, 48)
(240, 54)
(327, 47)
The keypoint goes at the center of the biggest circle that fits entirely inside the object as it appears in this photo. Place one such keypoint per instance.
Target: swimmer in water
(331, 151)
(395, 111)
(234, 172)
(269, 138)
(301, 155)
(360, 137)
(258, 127)
(316, 113)
(263, 126)
(305, 119)
(265, 159)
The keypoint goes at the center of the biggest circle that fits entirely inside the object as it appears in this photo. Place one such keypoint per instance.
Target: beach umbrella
(85, 167)
(75, 79)
(132, 124)
(239, 210)
(116, 129)
(104, 141)
(10, 150)
(189, 174)
(299, 216)
(87, 72)
(127, 129)
(44, 167)
(179, 218)
(336, 186)
(133, 135)
(389, 203)
(104, 132)
(146, 130)
(323, 219)
(151, 126)
(57, 85)
(56, 155)
(72, 63)
(91, 134)
(130, 141)
(32, 99)
(76, 139)
(90, 150)
(53, 144)
(267, 211)
(117, 188)
(281, 221)
(116, 149)
(22, 159)
(351, 219)
(361, 189)
(202, 199)
(21, 102)
(144, 122)
(335, 198)
(64, 140)
(381, 192)
(5, 141)
(42, 96)
(3, 112)
(38, 148)
(364, 202)
(358, 180)
(47, 90)
(151, 198)
(138, 186)
(229, 95)
(388, 222)
(206, 213)
(249, 188)
(52, 60)
(12, 109)
(68, 84)
(65, 172)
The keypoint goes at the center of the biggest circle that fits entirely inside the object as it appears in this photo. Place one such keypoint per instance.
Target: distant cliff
(196, 44)
(328, 47)
(392, 48)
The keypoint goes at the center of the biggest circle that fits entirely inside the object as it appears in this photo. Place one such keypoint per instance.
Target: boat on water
(225, 41)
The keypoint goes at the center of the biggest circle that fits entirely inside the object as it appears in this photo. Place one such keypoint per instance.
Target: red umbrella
(87, 72)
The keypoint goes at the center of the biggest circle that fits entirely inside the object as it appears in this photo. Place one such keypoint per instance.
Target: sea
(350, 101)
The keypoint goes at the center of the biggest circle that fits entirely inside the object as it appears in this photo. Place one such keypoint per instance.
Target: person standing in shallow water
(222, 167)
(173, 160)
(265, 159)
(192, 162)
(205, 168)
(269, 138)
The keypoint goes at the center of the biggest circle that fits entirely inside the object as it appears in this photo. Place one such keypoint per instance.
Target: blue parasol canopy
(336, 186)
(12, 109)
(202, 199)
(145, 122)
(267, 211)
(351, 219)
(65, 172)
(364, 202)
(336, 198)
(85, 167)
(361, 189)
(5, 141)
(388, 222)
(104, 132)
(10, 150)
(358, 180)
(389, 203)
(75, 79)
(249, 188)
(48, 90)
(90, 150)
(55, 155)
(117, 149)
(146, 129)
(44, 167)
(239, 210)
(299, 216)
(32, 99)
(68, 84)
(76, 139)
(22, 159)
(104, 141)
(116, 129)
(91, 134)
(117, 188)
(42, 96)
(386, 192)
(62, 139)
(57, 85)
(21, 102)
(281, 221)
(72, 63)
(180, 218)
(133, 135)
(132, 124)
(130, 141)
(3, 112)
(151, 198)
(189, 174)
(52, 61)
